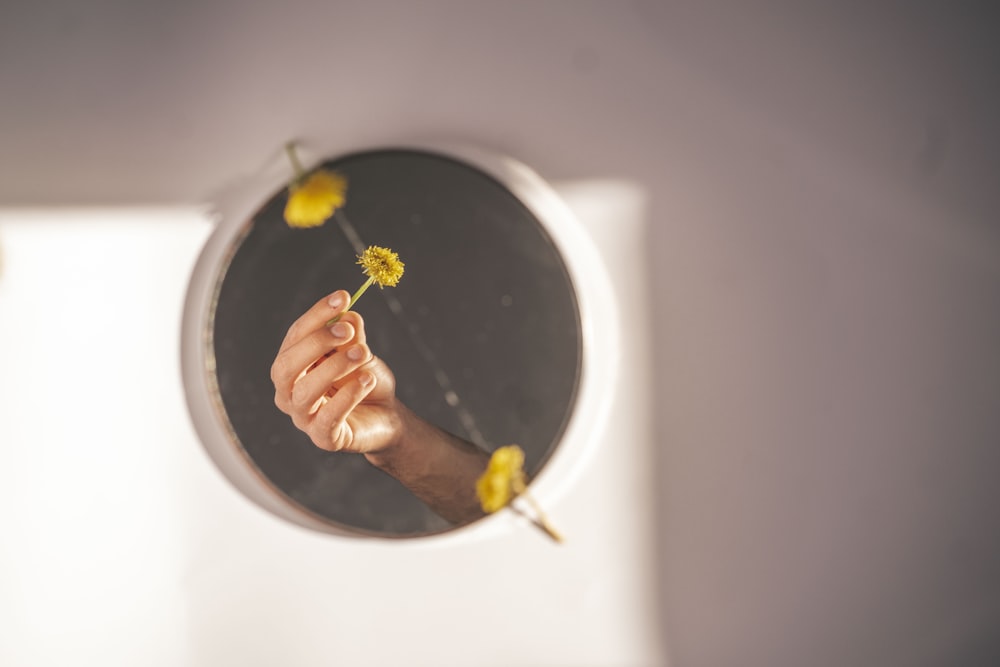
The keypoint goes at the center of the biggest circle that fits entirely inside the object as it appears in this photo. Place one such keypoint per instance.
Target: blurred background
(797, 206)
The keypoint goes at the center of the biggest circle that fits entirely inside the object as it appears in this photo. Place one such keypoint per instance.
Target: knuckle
(300, 423)
(279, 369)
(301, 399)
(340, 436)
(321, 442)
(329, 439)
(294, 331)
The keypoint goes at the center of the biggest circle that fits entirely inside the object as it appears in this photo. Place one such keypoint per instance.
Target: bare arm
(436, 466)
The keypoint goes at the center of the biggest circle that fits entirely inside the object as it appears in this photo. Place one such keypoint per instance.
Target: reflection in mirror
(482, 335)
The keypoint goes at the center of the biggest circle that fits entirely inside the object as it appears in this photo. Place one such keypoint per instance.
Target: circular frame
(600, 348)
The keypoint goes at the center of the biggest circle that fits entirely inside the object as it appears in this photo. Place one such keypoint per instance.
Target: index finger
(321, 312)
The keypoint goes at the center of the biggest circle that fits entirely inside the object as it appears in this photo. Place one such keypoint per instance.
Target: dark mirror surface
(482, 333)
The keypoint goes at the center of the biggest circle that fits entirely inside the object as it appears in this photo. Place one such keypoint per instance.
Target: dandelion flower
(314, 199)
(382, 266)
(503, 479)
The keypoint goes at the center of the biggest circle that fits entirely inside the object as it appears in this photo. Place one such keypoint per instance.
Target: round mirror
(483, 333)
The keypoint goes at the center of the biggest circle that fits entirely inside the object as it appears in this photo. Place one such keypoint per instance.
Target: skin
(344, 398)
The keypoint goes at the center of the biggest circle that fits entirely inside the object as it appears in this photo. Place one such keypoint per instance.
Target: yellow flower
(381, 265)
(503, 479)
(313, 200)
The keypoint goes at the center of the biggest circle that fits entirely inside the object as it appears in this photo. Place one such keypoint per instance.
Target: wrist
(397, 441)
(437, 467)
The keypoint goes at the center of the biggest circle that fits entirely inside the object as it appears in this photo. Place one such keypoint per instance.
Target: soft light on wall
(93, 433)
(124, 544)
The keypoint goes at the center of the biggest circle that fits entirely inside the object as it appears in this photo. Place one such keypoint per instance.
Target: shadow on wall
(827, 382)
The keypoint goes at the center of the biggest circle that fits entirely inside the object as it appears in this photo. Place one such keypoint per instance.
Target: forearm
(437, 467)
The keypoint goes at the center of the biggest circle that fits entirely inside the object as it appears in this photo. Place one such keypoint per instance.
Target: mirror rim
(588, 278)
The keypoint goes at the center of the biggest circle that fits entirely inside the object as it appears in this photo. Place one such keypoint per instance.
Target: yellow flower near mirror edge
(502, 480)
(314, 198)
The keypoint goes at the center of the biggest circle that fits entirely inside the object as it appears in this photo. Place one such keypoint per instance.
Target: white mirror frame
(600, 344)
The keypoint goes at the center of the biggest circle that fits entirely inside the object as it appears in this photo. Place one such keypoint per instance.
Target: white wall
(96, 445)
(123, 544)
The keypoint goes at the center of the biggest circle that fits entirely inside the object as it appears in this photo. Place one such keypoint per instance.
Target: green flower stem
(354, 299)
(294, 158)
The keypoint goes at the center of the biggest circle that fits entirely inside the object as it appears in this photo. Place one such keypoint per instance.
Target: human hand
(331, 385)
(344, 398)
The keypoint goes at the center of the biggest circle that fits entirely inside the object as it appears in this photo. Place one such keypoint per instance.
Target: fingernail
(366, 379)
(355, 353)
(339, 330)
(336, 300)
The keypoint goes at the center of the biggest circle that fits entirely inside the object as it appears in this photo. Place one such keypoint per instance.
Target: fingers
(329, 429)
(297, 360)
(322, 374)
(328, 374)
(321, 312)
